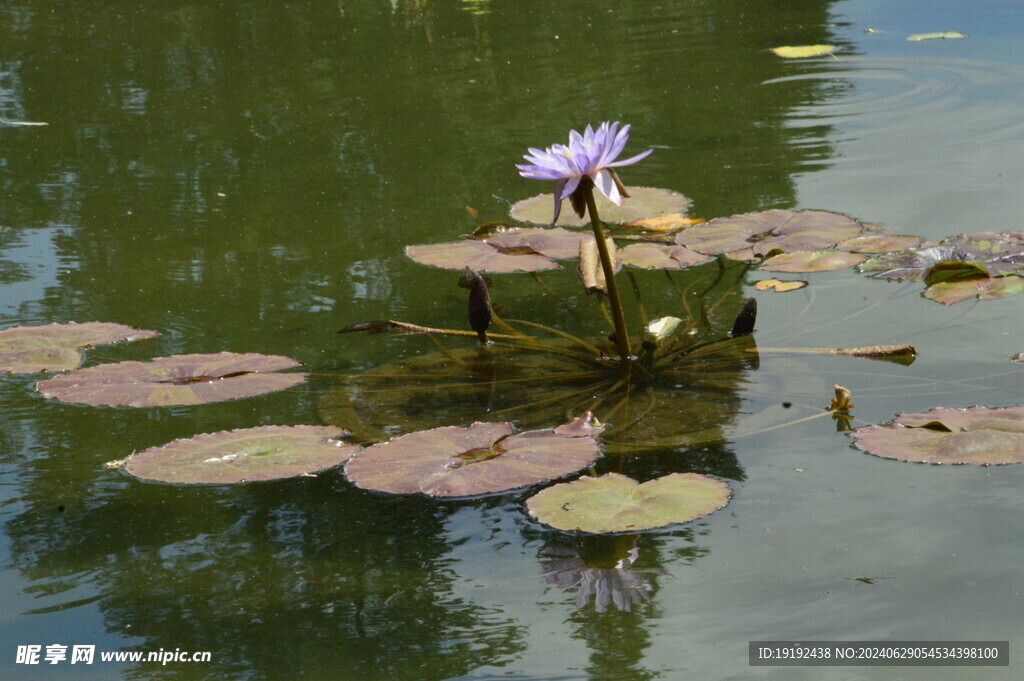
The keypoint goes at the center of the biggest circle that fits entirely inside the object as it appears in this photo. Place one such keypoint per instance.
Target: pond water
(244, 176)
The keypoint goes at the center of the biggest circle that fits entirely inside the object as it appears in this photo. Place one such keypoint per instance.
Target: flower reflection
(621, 585)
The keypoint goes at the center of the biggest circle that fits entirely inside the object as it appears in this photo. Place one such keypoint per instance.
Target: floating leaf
(554, 242)
(945, 35)
(803, 51)
(660, 257)
(666, 223)
(817, 261)
(662, 329)
(643, 202)
(954, 270)
(479, 256)
(52, 347)
(456, 461)
(615, 503)
(245, 455)
(951, 292)
(995, 252)
(174, 380)
(779, 286)
(880, 243)
(22, 124)
(975, 435)
(770, 230)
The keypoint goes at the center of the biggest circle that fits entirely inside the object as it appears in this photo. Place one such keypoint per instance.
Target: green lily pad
(770, 230)
(816, 261)
(456, 461)
(643, 202)
(660, 257)
(480, 256)
(995, 252)
(615, 503)
(975, 435)
(991, 288)
(53, 347)
(245, 455)
(174, 380)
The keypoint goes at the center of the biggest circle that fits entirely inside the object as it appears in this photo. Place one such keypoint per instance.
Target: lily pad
(975, 435)
(615, 503)
(456, 461)
(643, 202)
(479, 256)
(554, 242)
(660, 257)
(666, 223)
(779, 286)
(53, 347)
(770, 230)
(995, 252)
(944, 35)
(245, 455)
(990, 288)
(174, 380)
(880, 243)
(816, 261)
(803, 51)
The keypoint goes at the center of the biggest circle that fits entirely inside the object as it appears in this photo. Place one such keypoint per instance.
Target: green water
(244, 176)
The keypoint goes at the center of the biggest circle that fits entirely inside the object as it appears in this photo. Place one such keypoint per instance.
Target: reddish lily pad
(480, 256)
(770, 230)
(643, 202)
(975, 435)
(174, 380)
(990, 288)
(817, 261)
(456, 461)
(53, 347)
(660, 257)
(615, 503)
(245, 455)
(554, 242)
(880, 243)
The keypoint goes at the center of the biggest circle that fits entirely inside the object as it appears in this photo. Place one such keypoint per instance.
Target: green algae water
(245, 176)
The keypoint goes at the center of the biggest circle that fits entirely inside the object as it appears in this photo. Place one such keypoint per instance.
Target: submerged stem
(621, 335)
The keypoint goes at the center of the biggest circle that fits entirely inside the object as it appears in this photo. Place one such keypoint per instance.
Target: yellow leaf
(947, 35)
(666, 223)
(779, 286)
(803, 51)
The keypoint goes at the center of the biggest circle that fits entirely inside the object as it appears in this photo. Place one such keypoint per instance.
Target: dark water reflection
(244, 176)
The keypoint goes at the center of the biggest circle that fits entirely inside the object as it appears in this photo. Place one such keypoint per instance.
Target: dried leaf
(803, 51)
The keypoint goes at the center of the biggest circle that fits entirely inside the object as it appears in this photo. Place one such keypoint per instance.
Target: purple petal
(558, 200)
(630, 161)
(604, 181)
(570, 186)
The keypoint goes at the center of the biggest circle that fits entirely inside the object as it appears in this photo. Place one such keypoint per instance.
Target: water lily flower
(587, 161)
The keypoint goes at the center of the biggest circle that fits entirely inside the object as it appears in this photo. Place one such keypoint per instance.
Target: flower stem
(621, 335)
